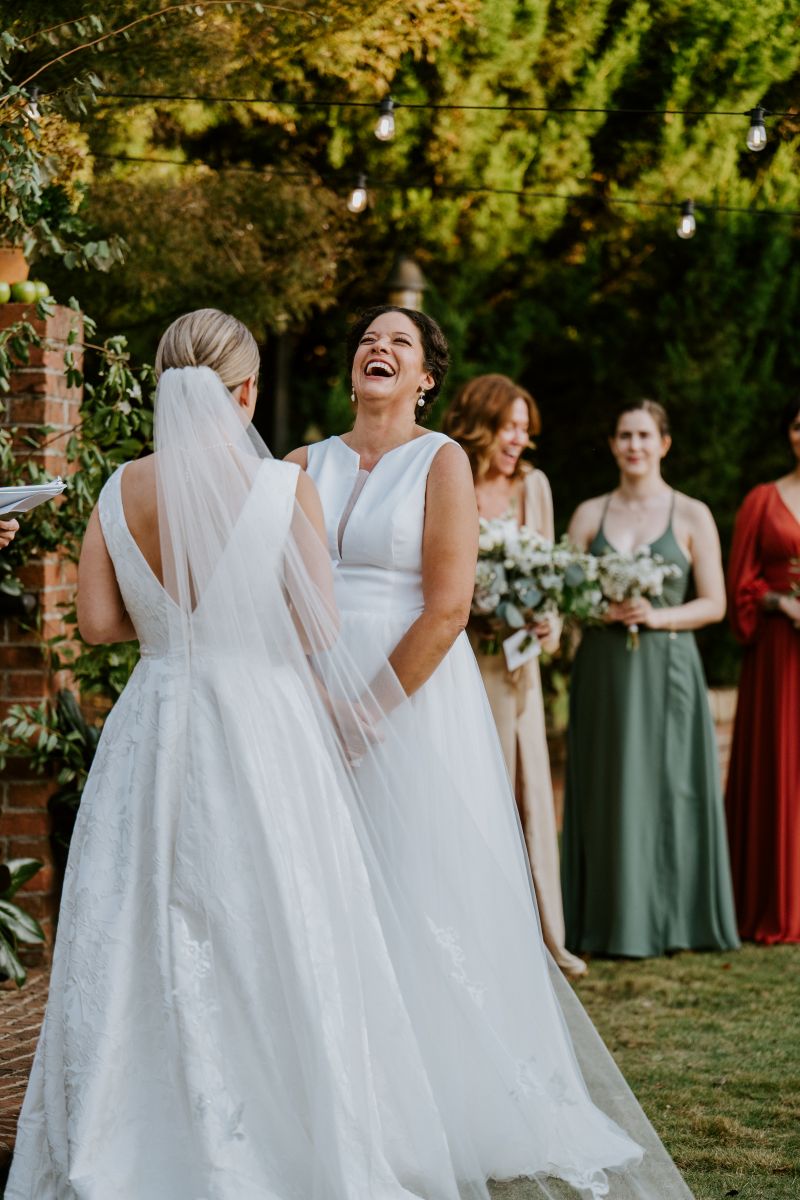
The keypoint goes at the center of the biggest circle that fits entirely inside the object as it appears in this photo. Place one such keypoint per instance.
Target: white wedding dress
(492, 1030)
(223, 1020)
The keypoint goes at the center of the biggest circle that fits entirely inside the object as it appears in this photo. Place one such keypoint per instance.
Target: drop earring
(421, 401)
(353, 395)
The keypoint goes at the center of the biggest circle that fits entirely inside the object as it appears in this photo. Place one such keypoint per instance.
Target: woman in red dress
(763, 794)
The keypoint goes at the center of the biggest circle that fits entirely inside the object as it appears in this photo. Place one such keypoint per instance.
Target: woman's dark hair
(789, 413)
(435, 351)
(476, 416)
(651, 407)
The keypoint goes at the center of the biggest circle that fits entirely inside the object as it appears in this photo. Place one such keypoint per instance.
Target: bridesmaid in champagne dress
(763, 794)
(493, 419)
(644, 853)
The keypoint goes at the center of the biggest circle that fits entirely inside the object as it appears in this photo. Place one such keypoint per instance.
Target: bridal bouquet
(521, 578)
(630, 577)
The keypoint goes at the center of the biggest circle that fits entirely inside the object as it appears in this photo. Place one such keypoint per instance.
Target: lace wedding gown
(493, 1032)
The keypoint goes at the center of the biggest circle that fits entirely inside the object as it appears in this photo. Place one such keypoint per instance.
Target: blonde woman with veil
(249, 1000)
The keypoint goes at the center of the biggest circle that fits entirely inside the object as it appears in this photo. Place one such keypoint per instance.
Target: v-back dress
(763, 793)
(645, 865)
(482, 1003)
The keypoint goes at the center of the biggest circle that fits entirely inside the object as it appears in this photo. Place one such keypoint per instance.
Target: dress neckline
(411, 441)
(777, 491)
(601, 532)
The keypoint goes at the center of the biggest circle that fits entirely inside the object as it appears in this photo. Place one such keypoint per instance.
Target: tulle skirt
(497, 1024)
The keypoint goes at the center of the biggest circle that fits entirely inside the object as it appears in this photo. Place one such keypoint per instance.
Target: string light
(757, 133)
(384, 130)
(357, 200)
(32, 110)
(687, 225)
(387, 183)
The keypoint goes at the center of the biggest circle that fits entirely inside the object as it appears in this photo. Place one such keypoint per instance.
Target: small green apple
(42, 289)
(24, 292)
(5, 293)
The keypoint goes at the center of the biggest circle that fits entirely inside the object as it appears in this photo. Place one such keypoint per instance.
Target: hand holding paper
(24, 497)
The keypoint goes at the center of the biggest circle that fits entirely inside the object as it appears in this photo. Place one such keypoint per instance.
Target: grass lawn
(710, 1044)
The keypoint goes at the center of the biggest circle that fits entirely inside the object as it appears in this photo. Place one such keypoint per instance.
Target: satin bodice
(378, 563)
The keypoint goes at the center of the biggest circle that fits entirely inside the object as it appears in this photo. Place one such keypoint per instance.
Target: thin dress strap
(603, 514)
(671, 509)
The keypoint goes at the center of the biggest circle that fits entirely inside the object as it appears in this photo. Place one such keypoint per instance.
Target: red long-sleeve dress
(763, 792)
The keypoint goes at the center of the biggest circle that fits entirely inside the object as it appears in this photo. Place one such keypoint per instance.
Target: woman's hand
(790, 607)
(8, 531)
(543, 629)
(635, 611)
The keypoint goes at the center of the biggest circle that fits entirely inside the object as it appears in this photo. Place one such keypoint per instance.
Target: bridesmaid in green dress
(645, 865)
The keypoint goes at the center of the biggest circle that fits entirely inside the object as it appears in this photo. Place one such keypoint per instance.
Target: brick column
(38, 396)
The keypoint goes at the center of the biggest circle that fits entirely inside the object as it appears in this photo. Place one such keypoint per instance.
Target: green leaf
(10, 966)
(20, 924)
(21, 870)
(511, 615)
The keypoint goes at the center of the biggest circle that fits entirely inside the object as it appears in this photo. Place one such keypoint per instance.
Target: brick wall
(39, 396)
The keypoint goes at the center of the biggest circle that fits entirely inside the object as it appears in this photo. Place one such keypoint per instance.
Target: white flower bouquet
(624, 577)
(522, 578)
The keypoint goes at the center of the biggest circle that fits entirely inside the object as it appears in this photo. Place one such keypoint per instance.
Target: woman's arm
(449, 555)
(585, 523)
(709, 603)
(309, 574)
(748, 592)
(101, 609)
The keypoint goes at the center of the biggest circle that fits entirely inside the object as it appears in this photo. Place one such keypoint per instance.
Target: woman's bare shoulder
(692, 511)
(298, 456)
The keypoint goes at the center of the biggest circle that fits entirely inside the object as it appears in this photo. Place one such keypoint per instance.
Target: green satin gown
(645, 865)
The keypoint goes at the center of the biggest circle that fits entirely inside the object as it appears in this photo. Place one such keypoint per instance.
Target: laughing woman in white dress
(223, 1020)
(401, 521)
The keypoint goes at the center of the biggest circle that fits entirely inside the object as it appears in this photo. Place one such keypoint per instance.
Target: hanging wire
(396, 184)
(179, 97)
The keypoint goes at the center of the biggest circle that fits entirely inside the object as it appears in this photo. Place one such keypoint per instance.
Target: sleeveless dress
(763, 793)
(492, 1032)
(645, 865)
(223, 1021)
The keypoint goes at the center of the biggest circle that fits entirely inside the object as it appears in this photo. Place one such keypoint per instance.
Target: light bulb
(32, 111)
(384, 130)
(357, 200)
(756, 134)
(687, 224)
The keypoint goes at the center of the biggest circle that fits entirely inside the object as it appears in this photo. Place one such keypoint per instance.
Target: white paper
(26, 497)
(516, 656)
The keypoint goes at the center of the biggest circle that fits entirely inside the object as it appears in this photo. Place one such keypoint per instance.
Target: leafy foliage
(115, 426)
(41, 192)
(15, 924)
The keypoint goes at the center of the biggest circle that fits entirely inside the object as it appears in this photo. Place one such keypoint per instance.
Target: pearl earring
(352, 395)
(421, 401)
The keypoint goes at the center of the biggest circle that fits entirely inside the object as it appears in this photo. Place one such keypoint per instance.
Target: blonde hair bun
(210, 338)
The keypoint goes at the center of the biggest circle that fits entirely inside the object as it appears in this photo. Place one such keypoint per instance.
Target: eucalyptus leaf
(511, 615)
